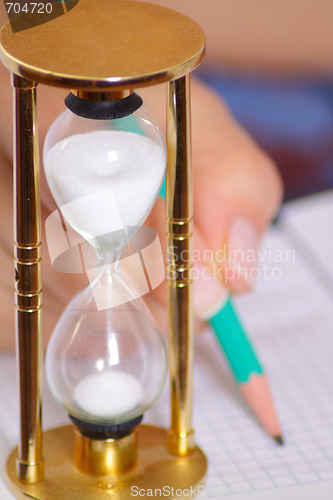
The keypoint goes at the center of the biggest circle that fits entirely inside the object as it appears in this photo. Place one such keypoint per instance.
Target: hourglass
(104, 160)
(106, 361)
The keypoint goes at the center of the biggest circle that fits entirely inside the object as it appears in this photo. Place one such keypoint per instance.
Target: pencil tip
(279, 440)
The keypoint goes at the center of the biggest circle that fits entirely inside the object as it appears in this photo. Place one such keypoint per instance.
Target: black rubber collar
(105, 431)
(104, 110)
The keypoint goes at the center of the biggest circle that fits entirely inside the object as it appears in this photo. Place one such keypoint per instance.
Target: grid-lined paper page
(291, 324)
(309, 222)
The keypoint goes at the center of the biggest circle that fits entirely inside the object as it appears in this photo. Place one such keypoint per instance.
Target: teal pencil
(246, 368)
(244, 363)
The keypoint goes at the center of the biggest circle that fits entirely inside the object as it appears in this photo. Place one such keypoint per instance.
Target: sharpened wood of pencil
(246, 368)
(244, 364)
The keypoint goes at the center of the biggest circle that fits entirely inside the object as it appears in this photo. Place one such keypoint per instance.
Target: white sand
(105, 180)
(108, 394)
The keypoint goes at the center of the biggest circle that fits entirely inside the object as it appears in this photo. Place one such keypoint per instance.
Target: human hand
(237, 191)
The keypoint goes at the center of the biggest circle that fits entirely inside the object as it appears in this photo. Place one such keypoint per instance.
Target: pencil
(246, 368)
(244, 364)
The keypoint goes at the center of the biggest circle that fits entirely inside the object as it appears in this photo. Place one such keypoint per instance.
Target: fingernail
(243, 243)
(210, 294)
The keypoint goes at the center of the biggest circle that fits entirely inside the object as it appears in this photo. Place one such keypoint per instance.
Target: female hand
(237, 191)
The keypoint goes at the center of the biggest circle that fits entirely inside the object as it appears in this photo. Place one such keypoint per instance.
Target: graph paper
(290, 320)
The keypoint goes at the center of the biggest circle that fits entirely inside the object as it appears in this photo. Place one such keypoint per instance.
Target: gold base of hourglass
(156, 469)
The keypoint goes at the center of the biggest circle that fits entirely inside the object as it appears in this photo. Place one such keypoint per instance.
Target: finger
(160, 315)
(237, 188)
(209, 291)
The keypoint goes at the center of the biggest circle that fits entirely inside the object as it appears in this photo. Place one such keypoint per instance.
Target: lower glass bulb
(106, 366)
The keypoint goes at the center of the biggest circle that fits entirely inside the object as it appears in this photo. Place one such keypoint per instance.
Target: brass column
(27, 256)
(179, 262)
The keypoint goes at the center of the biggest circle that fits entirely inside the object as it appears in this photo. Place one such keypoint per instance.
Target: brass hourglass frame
(103, 49)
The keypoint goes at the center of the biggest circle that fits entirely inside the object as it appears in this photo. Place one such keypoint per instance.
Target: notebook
(289, 317)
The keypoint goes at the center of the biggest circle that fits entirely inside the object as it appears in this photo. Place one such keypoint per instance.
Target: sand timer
(106, 361)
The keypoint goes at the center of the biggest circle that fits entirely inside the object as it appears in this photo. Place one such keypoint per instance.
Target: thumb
(237, 191)
(234, 205)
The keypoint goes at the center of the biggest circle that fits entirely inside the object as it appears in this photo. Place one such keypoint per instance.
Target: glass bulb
(105, 175)
(105, 364)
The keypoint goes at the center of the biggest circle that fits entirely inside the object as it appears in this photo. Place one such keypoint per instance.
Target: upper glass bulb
(104, 175)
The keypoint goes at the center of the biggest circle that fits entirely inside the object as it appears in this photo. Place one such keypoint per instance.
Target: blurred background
(272, 61)
(290, 117)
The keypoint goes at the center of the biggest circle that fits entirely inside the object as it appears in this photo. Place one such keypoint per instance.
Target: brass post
(27, 257)
(179, 262)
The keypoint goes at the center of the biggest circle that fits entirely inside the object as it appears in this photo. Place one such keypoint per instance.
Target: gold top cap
(105, 45)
